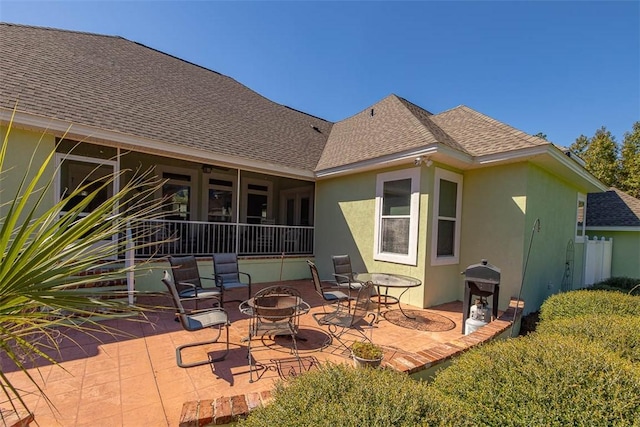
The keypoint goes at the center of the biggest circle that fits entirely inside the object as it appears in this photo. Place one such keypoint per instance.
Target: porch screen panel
(177, 192)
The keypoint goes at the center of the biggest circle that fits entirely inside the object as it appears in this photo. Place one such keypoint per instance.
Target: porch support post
(238, 198)
(129, 263)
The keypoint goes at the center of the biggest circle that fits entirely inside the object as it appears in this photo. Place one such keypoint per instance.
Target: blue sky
(562, 68)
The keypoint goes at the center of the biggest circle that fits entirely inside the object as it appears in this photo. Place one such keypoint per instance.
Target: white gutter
(403, 158)
(112, 138)
(613, 228)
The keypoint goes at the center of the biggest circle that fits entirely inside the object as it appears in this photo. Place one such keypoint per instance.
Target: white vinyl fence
(597, 265)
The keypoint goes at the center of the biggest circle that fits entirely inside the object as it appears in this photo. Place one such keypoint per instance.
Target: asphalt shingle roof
(612, 208)
(387, 127)
(114, 84)
(118, 85)
(481, 135)
(397, 125)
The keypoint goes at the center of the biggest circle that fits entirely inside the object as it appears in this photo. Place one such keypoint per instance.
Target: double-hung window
(447, 195)
(397, 206)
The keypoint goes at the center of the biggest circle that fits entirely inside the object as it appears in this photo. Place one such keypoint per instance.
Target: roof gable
(387, 127)
(480, 134)
(612, 208)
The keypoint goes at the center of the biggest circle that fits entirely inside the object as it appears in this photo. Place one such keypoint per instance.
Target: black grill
(481, 280)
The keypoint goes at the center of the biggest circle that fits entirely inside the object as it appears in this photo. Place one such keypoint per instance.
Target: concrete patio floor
(133, 379)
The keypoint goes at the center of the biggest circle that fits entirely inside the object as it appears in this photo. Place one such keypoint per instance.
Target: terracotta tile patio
(133, 379)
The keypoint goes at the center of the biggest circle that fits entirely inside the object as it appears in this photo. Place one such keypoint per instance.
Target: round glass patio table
(387, 281)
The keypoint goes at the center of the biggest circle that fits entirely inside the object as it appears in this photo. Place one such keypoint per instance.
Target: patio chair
(331, 294)
(227, 275)
(343, 273)
(274, 311)
(189, 283)
(351, 318)
(195, 321)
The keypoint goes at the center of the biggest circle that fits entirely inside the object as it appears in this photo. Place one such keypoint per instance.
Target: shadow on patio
(132, 379)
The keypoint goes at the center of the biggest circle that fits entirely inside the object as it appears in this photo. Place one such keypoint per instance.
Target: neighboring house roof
(612, 208)
(114, 84)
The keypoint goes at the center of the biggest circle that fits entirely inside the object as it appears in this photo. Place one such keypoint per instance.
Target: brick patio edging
(227, 409)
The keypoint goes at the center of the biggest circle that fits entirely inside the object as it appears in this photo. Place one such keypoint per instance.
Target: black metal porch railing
(205, 238)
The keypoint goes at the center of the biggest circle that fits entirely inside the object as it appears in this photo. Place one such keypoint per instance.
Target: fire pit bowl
(275, 308)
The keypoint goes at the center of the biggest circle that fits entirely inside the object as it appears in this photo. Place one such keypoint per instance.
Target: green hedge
(588, 302)
(541, 379)
(339, 395)
(620, 334)
(622, 284)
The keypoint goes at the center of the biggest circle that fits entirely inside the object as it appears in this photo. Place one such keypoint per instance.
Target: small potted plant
(365, 353)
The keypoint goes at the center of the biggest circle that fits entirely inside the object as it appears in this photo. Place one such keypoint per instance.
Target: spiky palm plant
(45, 258)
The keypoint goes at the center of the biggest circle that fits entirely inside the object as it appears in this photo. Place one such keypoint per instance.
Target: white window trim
(581, 198)
(412, 256)
(115, 164)
(457, 178)
(161, 169)
(60, 157)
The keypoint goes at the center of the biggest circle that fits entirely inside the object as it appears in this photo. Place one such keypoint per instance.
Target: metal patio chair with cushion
(227, 275)
(330, 293)
(353, 318)
(274, 311)
(343, 273)
(188, 282)
(195, 321)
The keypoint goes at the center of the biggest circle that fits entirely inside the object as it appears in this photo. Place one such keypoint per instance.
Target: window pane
(446, 234)
(178, 198)
(448, 193)
(75, 173)
(305, 210)
(256, 208)
(397, 197)
(220, 205)
(580, 219)
(395, 235)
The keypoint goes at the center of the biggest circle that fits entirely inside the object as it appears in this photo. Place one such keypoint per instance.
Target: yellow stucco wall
(22, 146)
(500, 206)
(345, 221)
(625, 256)
(493, 218)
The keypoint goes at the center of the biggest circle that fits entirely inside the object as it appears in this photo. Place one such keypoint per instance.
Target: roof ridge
(60, 30)
(460, 106)
(299, 111)
(520, 134)
(440, 135)
(405, 100)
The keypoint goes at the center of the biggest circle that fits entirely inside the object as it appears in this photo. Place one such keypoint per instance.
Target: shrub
(588, 302)
(338, 395)
(366, 350)
(622, 284)
(620, 334)
(543, 380)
